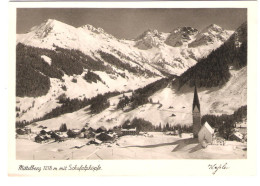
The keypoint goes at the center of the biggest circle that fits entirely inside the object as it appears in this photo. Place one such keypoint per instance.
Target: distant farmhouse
(129, 131)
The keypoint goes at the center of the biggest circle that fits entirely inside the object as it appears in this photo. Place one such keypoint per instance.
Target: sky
(129, 23)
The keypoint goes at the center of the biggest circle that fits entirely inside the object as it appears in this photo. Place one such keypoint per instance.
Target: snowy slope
(216, 101)
(31, 108)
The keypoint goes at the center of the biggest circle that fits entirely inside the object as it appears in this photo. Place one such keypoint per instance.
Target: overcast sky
(129, 23)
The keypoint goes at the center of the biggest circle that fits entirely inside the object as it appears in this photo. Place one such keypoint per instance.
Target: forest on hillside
(226, 123)
(33, 73)
(140, 96)
(213, 70)
(97, 104)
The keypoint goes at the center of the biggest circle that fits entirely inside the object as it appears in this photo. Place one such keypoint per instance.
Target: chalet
(84, 129)
(60, 137)
(45, 131)
(94, 141)
(129, 131)
(81, 135)
(23, 131)
(27, 130)
(236, 136)
(91, 129)
(118, 131)
(73, 133)
(20, 131)
(206, 133)
(101, 129)
(105, 137)
(39, 138)
(47, 137)
(89, 134)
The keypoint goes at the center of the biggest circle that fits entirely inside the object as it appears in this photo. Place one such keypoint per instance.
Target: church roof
(196, 101)
(208, 127)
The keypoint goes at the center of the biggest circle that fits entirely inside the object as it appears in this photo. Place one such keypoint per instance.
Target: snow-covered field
(159, 146)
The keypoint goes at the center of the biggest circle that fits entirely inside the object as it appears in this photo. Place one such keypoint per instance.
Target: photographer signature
(215, 167)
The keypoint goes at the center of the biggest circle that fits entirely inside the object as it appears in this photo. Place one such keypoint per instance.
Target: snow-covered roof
(128, 129)
(238, 134)
(46, 130)
(208, 127)
(98, 141)
(75, 130)
(242, 125)
(64, 135)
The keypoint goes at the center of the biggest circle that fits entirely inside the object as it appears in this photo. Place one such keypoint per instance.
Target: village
(126, 142)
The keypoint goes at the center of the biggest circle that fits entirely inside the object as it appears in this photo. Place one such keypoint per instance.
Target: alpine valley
(85, 75)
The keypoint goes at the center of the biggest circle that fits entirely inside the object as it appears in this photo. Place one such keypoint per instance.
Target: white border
(142, 167)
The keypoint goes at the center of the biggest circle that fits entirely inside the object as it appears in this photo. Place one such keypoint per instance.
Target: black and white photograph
(131, 83)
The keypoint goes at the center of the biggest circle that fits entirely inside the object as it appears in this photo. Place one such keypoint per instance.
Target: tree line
(141, 95)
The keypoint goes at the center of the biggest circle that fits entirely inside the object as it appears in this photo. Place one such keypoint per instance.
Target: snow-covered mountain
(150, 39)
(181, 36)
(67, 55)
(152, 50)
(211, 35)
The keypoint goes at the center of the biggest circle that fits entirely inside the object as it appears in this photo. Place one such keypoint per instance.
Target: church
(196, 117)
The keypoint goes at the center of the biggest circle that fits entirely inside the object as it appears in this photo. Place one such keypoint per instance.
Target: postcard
(158, 88)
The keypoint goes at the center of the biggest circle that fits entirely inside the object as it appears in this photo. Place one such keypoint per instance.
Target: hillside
(163, 104)
(55, 59)
(214, 70)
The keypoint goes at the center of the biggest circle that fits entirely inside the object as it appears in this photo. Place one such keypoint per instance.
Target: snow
(46, 59)
(159, 146)
(31, 108)
(175, 59)
(66, 36)
(208, 127)
(215, 101)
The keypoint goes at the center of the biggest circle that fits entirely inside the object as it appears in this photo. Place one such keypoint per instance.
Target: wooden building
(129, 131)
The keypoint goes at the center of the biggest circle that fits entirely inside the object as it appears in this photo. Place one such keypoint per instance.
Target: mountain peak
(210, 35)
(148, 33)
(213, 28)
(51, 24)
(185, 29)
(181, 36)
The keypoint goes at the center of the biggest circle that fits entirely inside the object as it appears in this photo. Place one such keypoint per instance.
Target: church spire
(196, 101)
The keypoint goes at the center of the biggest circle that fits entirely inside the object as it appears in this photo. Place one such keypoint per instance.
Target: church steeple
(196, 114)
(196, 101)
